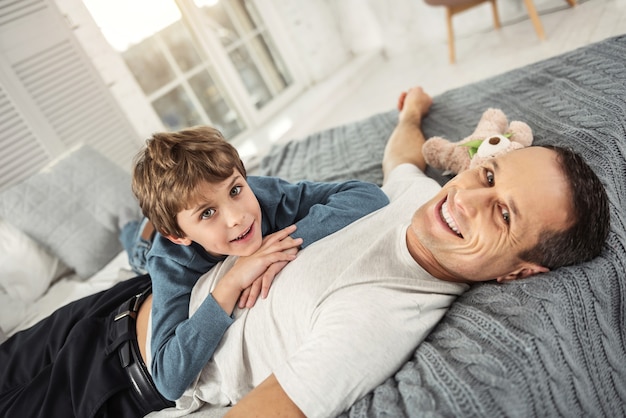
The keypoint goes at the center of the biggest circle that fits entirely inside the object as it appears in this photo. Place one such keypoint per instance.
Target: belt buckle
(133, 308)
(124, 314)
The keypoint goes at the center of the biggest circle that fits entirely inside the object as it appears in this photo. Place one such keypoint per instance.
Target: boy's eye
(235, 190)
(506, 215)
(207, 213)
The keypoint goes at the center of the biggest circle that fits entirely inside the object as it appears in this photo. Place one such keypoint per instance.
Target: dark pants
(67, 365)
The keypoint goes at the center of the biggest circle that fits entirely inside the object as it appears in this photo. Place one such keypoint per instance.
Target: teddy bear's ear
(521, 133)
(492, 121)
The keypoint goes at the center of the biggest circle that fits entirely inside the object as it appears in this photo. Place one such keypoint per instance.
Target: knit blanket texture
(552, 345)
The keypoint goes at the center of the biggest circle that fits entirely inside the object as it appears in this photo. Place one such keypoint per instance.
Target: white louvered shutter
(51, 96)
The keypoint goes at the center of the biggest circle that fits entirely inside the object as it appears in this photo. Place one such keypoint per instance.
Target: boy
(192, 187)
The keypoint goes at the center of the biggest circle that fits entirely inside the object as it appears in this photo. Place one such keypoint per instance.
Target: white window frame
(228, 75)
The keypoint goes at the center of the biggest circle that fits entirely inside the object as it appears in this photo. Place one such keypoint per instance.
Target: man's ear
(527, 270)
(179, 240)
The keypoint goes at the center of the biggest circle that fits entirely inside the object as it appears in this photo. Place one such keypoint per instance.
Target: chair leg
(496, 17)
(572, 3)
(450, 35)
(532, 12)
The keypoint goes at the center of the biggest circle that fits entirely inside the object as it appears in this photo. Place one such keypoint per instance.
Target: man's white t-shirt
(339, 320)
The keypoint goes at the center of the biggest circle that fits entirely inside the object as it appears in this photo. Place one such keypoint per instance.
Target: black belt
(124, 336)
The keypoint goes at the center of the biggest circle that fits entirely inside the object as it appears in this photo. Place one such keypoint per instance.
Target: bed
(554, 345)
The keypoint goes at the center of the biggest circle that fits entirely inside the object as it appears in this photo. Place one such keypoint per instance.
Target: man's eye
(207, 213)
(506, 215)
(235, 190)
(490, 178)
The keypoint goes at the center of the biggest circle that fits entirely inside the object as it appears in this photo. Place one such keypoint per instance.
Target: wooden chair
(534, 17)
(457, 6)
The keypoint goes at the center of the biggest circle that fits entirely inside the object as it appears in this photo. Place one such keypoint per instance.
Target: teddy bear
(492, 137)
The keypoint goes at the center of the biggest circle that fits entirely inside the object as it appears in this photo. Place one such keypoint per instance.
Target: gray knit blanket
(553, 345)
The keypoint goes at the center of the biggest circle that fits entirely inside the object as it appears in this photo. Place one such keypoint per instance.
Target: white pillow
(73, 208)
(26, 272)
(26, 269)
(12, 313)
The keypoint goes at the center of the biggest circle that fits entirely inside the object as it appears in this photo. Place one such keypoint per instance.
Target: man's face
(225, 221)
(475, 227)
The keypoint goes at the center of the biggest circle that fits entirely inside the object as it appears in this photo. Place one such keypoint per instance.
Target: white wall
(312, 28)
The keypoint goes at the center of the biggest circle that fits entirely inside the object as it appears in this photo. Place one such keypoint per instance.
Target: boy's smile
(225, 220)
(244, 235)
(245, 239)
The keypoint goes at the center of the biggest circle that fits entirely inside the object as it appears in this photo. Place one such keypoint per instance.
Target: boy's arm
(337, 206)
(181, 344)
(318, 209)
(406, 140)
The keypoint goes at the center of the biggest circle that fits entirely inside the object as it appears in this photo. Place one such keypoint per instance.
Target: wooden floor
(479, 56)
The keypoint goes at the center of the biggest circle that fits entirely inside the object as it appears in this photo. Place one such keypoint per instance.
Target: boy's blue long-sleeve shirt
(182, 345)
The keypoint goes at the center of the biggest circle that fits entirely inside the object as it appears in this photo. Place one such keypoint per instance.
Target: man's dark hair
(590, 223)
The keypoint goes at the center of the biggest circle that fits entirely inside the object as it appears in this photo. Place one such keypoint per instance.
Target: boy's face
(226, 220)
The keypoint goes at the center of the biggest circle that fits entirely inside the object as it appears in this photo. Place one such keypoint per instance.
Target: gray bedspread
(553, 345)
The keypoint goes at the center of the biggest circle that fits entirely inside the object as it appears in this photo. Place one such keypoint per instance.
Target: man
(352, 308)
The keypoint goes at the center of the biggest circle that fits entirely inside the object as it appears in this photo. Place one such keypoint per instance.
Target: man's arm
(406, 140)
(266, 400)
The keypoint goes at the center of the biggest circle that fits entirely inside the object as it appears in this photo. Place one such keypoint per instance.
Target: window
(178, 82)
(241, 31)
(197, 61)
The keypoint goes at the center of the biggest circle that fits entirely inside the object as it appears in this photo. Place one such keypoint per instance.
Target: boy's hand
(262, 284)
(278, 247)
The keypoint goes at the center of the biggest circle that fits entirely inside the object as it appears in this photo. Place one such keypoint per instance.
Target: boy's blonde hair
(168, 171)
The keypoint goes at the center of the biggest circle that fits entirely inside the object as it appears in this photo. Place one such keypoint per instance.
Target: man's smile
(444, 212)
